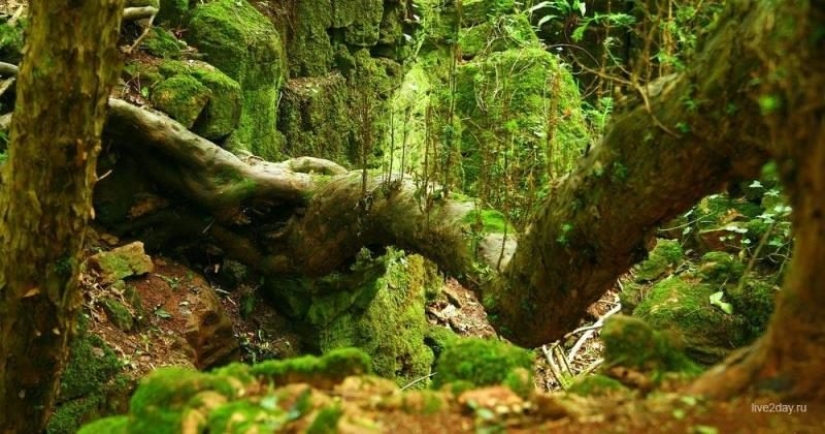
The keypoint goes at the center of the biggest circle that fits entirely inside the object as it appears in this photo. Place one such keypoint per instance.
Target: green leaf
(716, 300)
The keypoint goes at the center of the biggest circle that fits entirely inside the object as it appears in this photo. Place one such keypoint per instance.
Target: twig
(418, 380)
(592, 329)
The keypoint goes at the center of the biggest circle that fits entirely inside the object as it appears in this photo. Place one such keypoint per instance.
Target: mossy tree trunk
(788, 360)
(64, 80)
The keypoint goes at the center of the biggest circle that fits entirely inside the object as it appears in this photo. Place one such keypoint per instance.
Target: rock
(209, 330)
(243, 44)
(119, 263)
(118, 314)
(182, 97)
(222, 112)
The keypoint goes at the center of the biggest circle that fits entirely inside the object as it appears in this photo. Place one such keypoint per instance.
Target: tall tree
(65, 78)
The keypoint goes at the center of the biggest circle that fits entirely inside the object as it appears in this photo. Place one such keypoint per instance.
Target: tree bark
(66, 75)
(788, 360)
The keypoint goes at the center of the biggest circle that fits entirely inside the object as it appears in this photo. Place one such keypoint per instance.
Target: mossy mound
(632, 343)
(484, 363)
(665, 256)
(172, 12)
(720, 267)
(755, 301)
(238, 40)
(479, 11)
(236, 398)
(221, 114)
(685, 312)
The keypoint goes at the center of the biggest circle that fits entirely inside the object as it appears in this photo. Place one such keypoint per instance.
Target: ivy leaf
(716, 300)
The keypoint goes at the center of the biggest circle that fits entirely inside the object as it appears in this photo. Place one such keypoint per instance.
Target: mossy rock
(683, 310)
(322, 372)
(310, 49)
(162, 43)
(664, 257)
(755, 302)
(478, 11)
(182, 97)
(172, 12)
(485, 363)
(118, 314)
(595, 385)
(720, 267)
(315, 119)
(238, 40)
(360, 21)
(632, 343)
(508, 97)
(222, 112)
(499, 34)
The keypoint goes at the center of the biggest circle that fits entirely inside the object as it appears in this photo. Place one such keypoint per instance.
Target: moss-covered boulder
(521, 103)
(172, 12)
(483, 362)
(720, 267)
(683, 311)
(309, 49)
(182, 97)
(632, 343)
(379, 308)
(754, 301)
(242, 43)
(314, 117)
(664, 257)
(162, 43)
(220, 115)
(359, 21)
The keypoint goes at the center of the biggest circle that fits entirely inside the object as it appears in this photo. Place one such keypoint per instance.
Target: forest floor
(263, 334)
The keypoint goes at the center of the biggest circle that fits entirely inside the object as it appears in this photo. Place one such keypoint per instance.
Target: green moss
(332, 368)
(159, 403)
(238, 40)
(595, 385)
(161, 43)
(755, 302)
(500, 34)
(118, 314)
(172, 12)
(483, 363)
(491, 221)
(720, 267)
(684, 312)
(245, 416)
(378, 308)
(666, 255)
(310, 50)
(223, 111)
(479, 11)
(110, 425)
(326, 421)
(182, 97)
(632, 343)
(91, 363)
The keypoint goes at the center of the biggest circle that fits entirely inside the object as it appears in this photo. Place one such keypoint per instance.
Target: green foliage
(666, 255)
(720, 267)
(326, 421)
(12, 40)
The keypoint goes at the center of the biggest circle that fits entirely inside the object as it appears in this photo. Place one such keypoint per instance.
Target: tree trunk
(64, 80)
(788, 360)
